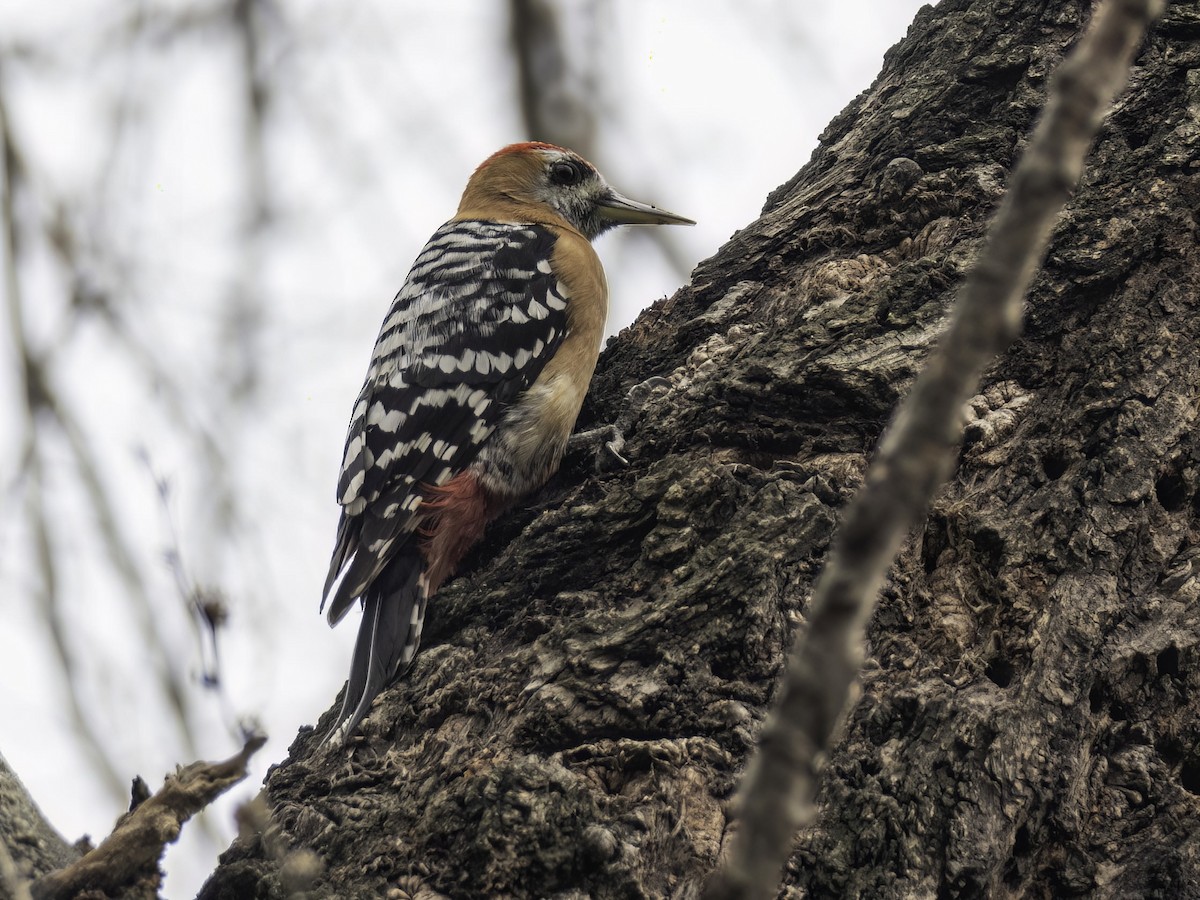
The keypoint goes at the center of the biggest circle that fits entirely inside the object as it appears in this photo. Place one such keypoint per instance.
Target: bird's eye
(566, 173)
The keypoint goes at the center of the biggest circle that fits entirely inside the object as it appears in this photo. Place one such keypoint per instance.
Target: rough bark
(579, 716)
(917, 453)
(29, 845)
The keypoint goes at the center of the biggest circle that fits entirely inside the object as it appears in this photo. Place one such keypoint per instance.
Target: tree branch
(137, 842)
(917, 455)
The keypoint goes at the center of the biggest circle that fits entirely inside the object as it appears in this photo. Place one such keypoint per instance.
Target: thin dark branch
(122, 556)
(917, 455)
(206, 606)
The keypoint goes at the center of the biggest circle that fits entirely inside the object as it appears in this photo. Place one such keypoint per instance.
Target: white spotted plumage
(466, 334)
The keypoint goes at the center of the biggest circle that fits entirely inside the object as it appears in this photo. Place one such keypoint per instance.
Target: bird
(473, 389)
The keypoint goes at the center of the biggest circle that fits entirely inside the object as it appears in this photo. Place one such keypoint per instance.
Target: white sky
(387, 108)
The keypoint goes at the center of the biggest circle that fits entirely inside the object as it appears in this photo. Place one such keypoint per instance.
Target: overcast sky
(135, 137)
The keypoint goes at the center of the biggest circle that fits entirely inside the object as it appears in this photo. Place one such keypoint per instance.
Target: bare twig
(917, 455)
(121, 554)
(207, 608)
(133, 850)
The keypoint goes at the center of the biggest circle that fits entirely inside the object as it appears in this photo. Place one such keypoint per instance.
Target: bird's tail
(388, 637)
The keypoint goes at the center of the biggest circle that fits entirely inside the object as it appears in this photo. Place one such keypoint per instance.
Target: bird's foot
(607, 441)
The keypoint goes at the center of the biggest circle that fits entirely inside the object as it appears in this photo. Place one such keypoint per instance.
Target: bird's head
(528, 178)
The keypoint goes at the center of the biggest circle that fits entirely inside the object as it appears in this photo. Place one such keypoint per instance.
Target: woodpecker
(474, 386)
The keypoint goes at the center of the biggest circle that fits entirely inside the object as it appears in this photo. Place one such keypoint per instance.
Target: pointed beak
(623, 211)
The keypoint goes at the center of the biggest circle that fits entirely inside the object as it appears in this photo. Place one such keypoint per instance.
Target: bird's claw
(606, 441)
(609, 440)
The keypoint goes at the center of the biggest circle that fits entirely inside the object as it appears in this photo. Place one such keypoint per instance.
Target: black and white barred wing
(478, 318)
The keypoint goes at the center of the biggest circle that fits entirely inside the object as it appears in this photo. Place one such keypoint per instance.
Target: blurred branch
(122, 557)
(206, 607)
(43, 400)
(31, 378)
(917, 455)
(557, 98)
(84, 249)
(243, 312)
(208, 610)
(76, 236)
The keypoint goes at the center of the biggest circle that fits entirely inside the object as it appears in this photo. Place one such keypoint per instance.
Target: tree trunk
(577, 720)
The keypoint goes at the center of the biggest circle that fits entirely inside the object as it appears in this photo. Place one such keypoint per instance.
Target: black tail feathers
(388, 637)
